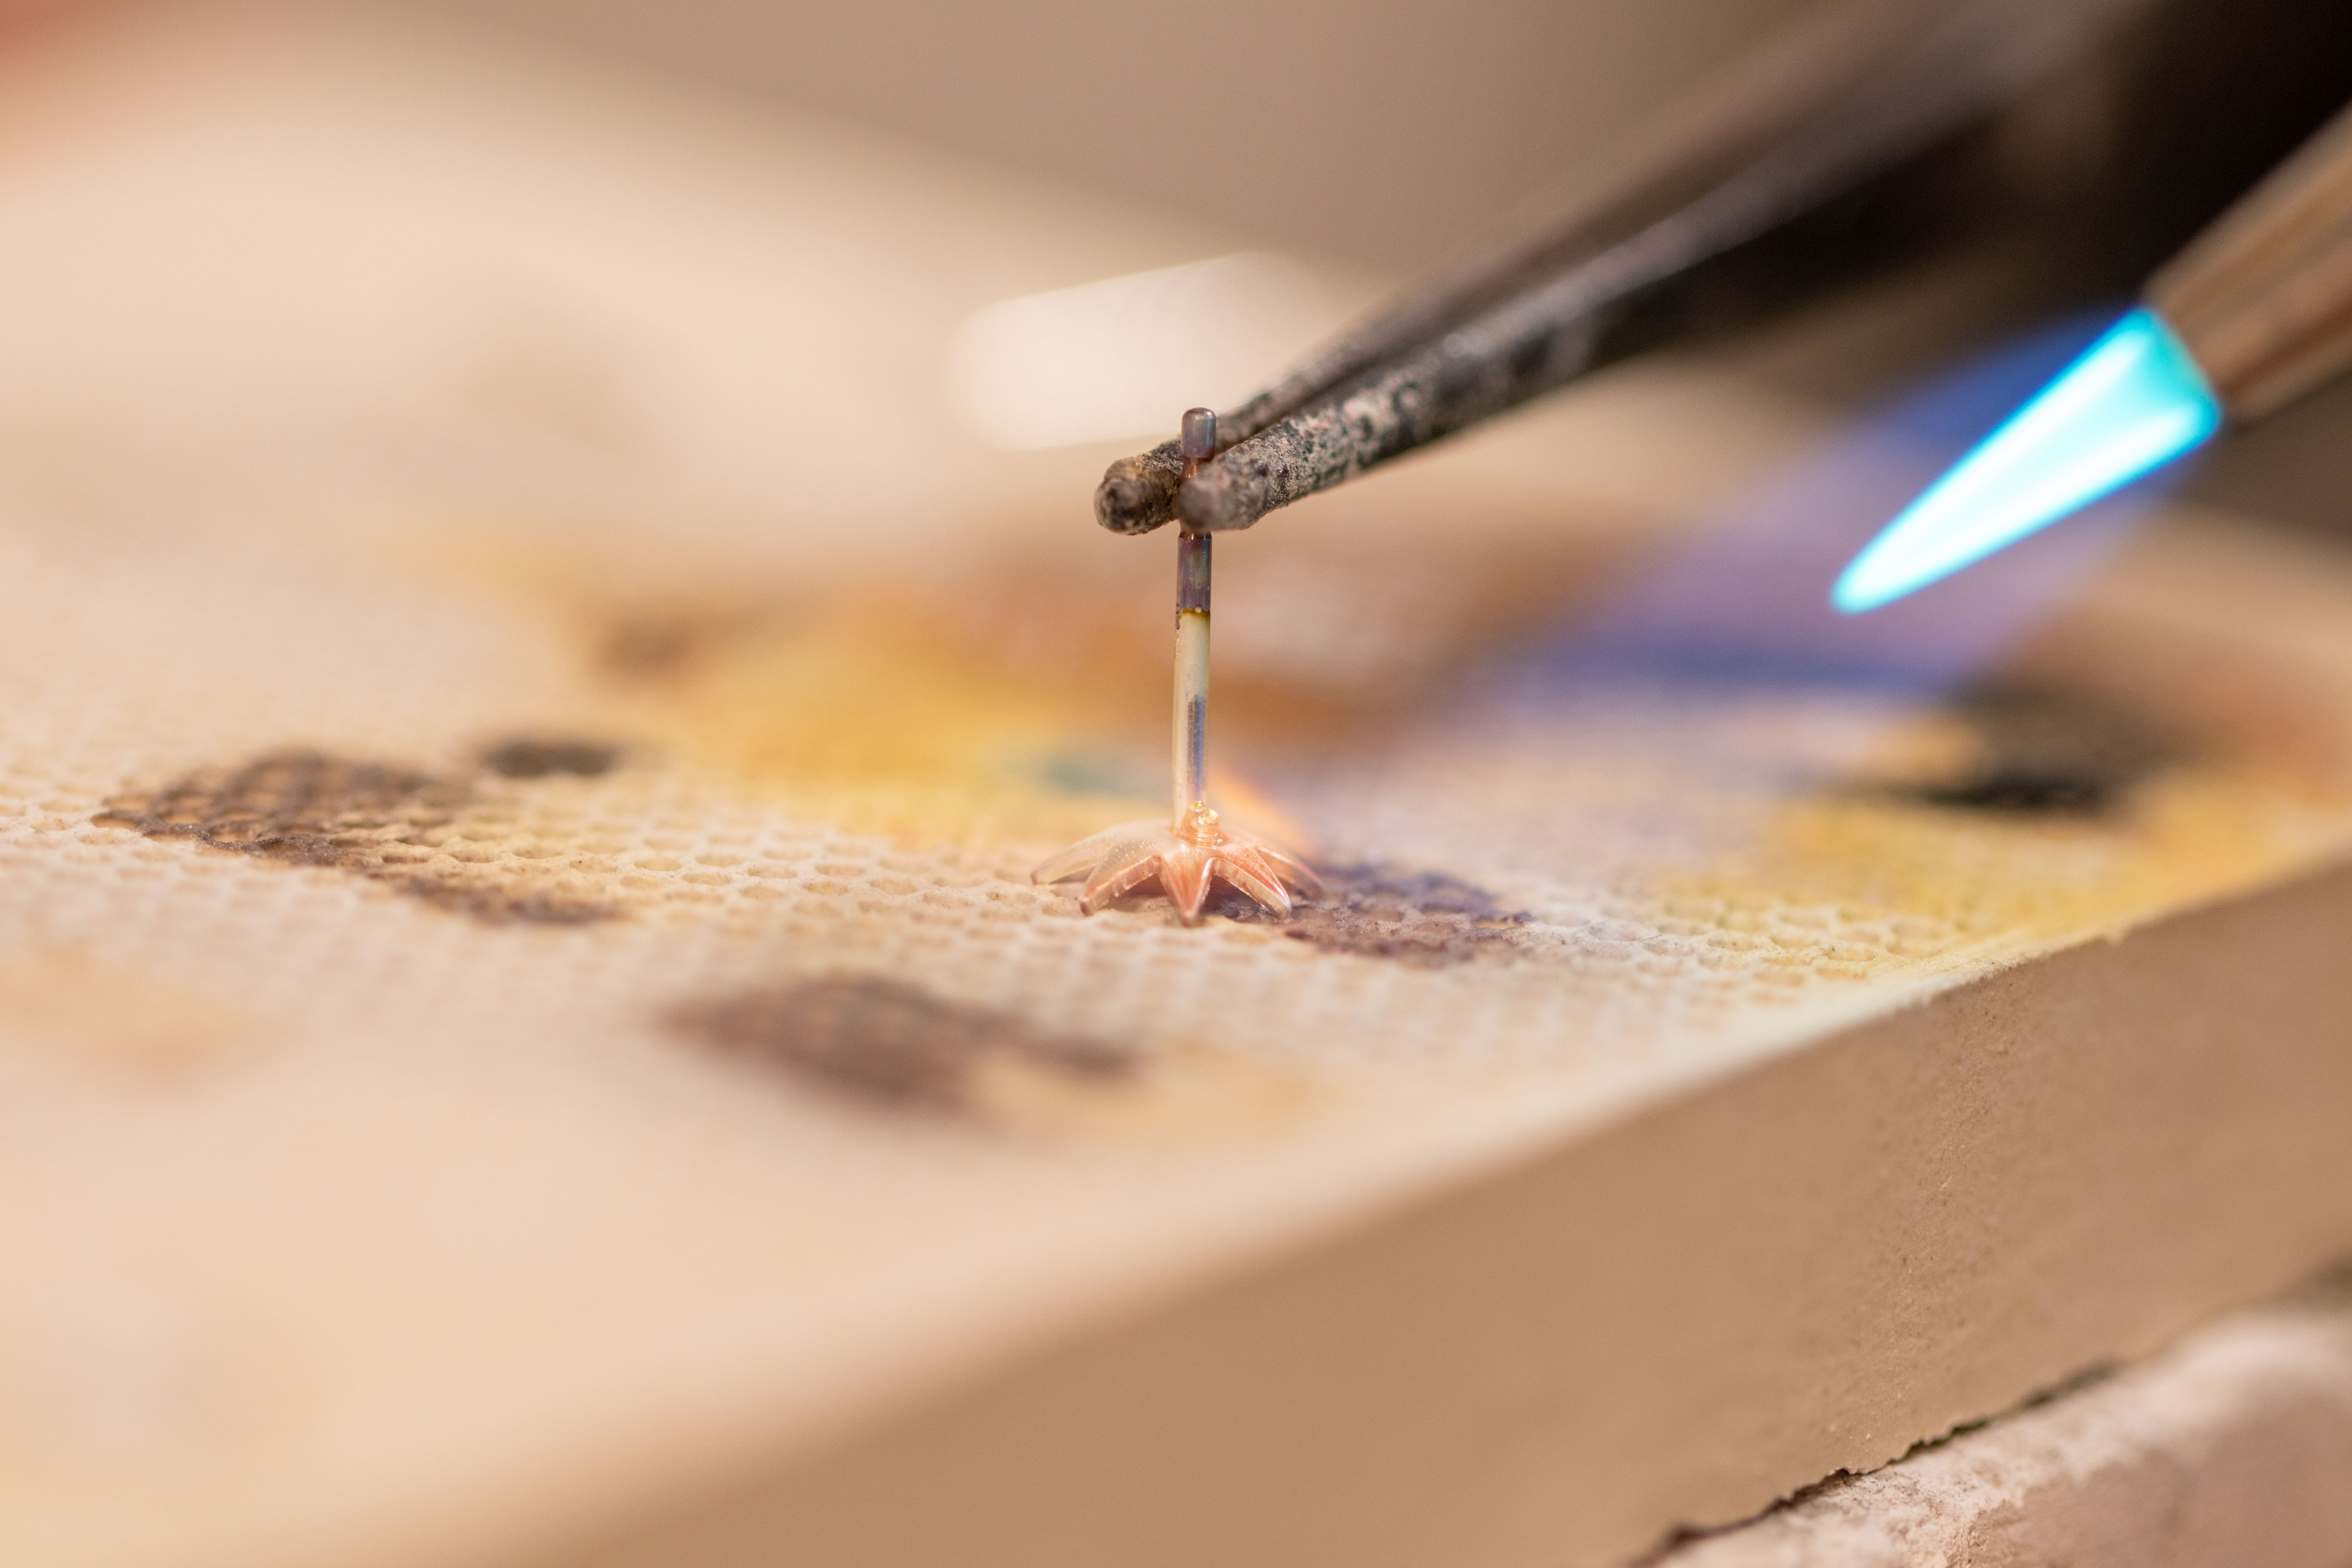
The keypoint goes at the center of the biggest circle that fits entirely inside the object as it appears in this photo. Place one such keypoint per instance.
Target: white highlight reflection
(1125, 357)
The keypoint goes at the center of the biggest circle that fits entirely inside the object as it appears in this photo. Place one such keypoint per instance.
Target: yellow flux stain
(1971, 885)
(893, 716)
(874, 717)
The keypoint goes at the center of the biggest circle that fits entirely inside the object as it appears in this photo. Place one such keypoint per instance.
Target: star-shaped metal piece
(1184, 857)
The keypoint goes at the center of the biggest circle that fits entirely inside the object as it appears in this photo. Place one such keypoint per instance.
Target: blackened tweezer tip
(1138, 494)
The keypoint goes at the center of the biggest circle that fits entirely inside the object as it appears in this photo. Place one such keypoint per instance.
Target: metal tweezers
(1749, 206)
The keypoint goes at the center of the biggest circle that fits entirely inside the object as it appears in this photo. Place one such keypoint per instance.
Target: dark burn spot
(304, 806)
(889, 1044)
(649, 648)
(664, 643)
(356, 815)
(497, 903)
(535, 757)
(1427, 919)
(2043, 753)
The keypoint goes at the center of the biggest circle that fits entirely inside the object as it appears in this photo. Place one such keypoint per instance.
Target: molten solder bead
(1194, 846)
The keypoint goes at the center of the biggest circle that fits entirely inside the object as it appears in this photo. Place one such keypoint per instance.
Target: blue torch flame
(2134, 401)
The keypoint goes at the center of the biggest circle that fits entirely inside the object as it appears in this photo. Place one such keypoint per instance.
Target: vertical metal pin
(1193, 816)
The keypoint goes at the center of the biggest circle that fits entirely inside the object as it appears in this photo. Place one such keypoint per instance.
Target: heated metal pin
(1199, 442)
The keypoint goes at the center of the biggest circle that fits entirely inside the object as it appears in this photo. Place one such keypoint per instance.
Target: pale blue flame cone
(2135, 401)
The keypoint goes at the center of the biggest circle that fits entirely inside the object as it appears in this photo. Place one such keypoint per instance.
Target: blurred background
(1393, 130)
